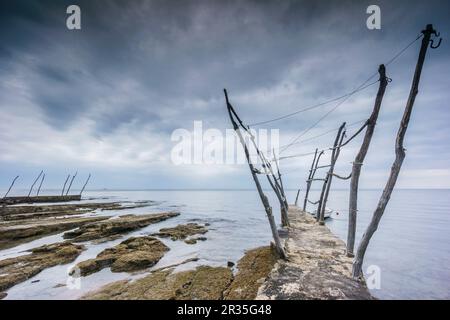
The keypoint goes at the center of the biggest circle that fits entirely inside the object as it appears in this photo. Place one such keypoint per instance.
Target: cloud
(108, 97)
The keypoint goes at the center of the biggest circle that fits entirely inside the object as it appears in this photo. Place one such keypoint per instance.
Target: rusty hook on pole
(436, 34)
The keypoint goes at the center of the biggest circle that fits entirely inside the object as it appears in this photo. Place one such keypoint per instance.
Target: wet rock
(182, 231)
(171, 266)
(13, 233)
(130, 255)
(230, 264)
(203, 283)
(190, 241)
(19, 269)
(253, 268)
(116, 226)
(11, 213)
(3, 295)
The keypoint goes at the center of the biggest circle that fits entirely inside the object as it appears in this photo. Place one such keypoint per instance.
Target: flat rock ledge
(201, 283)
(183, 232)
(115, 226)
(317, 266)
(19, 269)
(133, 254)
(13, 234)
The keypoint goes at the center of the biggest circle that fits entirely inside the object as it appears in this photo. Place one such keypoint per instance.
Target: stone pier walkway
(317, 266)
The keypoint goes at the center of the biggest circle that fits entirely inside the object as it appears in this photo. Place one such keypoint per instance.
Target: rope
(306, 108)
(342, 96)
(327, 114)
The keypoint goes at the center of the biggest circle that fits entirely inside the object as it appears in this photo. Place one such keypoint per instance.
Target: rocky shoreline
(201, 283)
(83, 224)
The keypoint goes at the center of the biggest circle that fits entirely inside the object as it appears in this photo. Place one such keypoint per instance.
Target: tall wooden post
(253, 171)
(283, 207)
(311, 180)
(359, 160)
(279, 191)
(9, 189)
(32, 186)
(64, 187)
(71, 181)
(325, 189)
(40, 185)
(281, 181)
(308, 182)
(334, 157)
(399, 156)
(296, 198)
(85, 184)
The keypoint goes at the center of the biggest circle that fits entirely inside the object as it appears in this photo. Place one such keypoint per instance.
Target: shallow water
(411, 247)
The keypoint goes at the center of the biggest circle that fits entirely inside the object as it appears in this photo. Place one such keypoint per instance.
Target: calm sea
(411, 247)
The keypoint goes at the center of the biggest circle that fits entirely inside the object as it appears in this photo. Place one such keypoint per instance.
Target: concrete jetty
(317, 265)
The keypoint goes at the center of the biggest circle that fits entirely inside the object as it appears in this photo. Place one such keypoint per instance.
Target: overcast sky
(105, 99)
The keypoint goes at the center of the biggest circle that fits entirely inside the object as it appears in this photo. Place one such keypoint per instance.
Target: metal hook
(432, 46)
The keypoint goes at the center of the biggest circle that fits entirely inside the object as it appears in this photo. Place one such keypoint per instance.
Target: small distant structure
(64, 197)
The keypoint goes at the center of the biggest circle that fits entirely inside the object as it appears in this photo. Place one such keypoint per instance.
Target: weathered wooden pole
(71, 181)
(85, 184)
(308, 182)
(9, 189)
(281, 181)
(32, 186)
(311, 180)
(40, 185)
(399, 155)
(296, 198)
(253, 171)
(276, 189)
(359, 160)
(64, 187)
(329, 175)
(279, 191)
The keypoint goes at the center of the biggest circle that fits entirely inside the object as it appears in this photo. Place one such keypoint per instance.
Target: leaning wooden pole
(40, 185)
(296, 198)
(329, 175)
(359, 160)
(399, 156)
(309, 181)
(70, 184)
(279, 191)
(253, 171)
(32, 186)
(85, 184)
(283, 209)
(335, 155)
(10, 187)
(281, 181)
(64, 187)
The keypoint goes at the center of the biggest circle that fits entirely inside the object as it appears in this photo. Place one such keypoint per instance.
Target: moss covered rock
(253, 268)
(130, 255)
(203, 283)
(182, 231)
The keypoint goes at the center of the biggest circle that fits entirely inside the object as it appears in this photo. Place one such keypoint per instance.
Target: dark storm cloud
(150, 67)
